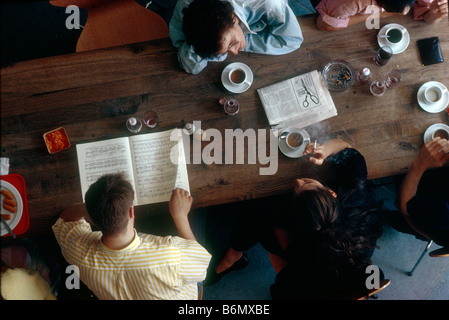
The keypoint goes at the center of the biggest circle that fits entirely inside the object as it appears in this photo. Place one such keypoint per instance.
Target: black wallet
(430, 51)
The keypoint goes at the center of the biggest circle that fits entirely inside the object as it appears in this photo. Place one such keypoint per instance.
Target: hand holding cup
(434, 153)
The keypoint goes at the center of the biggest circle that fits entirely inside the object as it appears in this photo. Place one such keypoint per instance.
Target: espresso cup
(294, 140)
(394, 35)
(443, 133)
(433, 94)
(238, 77)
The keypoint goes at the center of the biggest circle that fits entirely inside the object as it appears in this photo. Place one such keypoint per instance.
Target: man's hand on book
(180, 203)
(179, 206)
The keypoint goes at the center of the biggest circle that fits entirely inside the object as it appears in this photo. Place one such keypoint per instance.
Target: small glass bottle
(364, 76)
(189, 128)
(134, 125)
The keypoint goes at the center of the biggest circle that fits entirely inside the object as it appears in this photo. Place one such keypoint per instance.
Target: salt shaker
(189, 128)
(364, 75)
(134, 125)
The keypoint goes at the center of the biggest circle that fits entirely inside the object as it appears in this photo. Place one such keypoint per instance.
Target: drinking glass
(231, 107)
(150, 119)
(383, 55)
(393, 78)
(377, 88)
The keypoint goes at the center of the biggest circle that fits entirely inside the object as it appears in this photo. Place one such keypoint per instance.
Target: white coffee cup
(442, 133)
(237, 76)
(433, 94)
(294, 140)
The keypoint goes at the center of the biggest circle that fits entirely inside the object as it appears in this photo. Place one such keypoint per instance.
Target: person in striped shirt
(118, 262)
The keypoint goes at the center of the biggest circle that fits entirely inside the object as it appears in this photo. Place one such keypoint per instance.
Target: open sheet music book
(299, 101)
(145, 160)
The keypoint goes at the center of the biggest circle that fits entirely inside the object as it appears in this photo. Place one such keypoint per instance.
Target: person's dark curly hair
(204, 24)
(395, 5)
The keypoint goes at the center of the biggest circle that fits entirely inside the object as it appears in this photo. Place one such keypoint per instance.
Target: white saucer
(285, 149)
(434, 107)
(15, 217)
(397, 47)
(236, 88)
(430, 130)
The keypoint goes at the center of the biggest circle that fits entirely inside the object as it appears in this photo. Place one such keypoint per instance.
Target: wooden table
(92, 94)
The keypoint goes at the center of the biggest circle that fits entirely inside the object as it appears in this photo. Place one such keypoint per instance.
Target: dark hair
(314, 210)
(395, 5)
(204, 24)
(343, 233)
(108, 201)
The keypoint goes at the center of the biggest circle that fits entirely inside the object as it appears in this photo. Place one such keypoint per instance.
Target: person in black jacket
(423, 197)
(325, 237)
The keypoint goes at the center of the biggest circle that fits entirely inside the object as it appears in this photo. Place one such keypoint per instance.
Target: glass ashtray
(338, 75)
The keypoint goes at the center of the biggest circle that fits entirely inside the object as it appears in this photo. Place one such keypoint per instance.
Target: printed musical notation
(144, 160)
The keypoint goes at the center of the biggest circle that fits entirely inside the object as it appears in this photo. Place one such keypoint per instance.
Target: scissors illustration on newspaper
(308, 94)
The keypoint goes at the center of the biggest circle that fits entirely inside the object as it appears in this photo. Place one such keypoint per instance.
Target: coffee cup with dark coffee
(394, 35)
(238, 77)
(442, 133)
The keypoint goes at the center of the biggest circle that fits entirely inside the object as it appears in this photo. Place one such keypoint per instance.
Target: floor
(32, 30)
(396, 255)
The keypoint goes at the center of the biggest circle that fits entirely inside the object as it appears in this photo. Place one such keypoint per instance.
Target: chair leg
(200, 291)
(410, 273)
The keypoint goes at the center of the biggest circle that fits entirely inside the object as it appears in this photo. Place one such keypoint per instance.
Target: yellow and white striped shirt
(149, 268)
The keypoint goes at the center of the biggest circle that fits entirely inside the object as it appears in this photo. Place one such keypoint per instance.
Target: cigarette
(314, 145)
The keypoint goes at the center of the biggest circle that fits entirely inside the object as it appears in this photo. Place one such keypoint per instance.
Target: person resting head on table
(423, 197)
(117, 262)
(324, 238)
(207, 30)
(336, 15)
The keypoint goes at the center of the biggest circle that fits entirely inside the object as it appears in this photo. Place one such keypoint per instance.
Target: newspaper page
(299, 101)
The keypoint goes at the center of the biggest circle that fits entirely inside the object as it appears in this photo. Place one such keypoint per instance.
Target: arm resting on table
(75, 212)
(433, 154)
